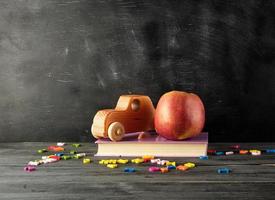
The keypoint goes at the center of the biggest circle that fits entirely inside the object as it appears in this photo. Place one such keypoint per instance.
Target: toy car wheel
(116, 131)
(93, 132)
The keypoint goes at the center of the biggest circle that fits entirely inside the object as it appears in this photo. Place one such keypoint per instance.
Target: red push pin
(54, 157)
(211, 151)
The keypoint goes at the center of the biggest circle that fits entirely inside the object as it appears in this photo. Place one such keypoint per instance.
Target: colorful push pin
(137, 160)
(129, 169)
(59, 154)
(50, 160)
(253, 150)
(60, 144)
(235, 146)
(229, 153)
(122, 161)
(171, 167)
(162, 162)
(101, 162)
(211, 151)
(66, 157)
(243, 152)
(112, 161)
(51, 147)
(76, 156)
(82, 154)
(219, 153)
(270, 150)
(79, 155)
(73, 152)
(55, 148)
(112, 166)
(147, 158)
(154, 169)
(155, 160)
(34, 163)
(106, 162)
(224, 170)
(182, 168)
(47, 160)
(55, 157)
(170, 163)
(42, 151)
(203, 157)
(164, 170)
(86, 161)
(255, 153)
(190, 165)
(29, 168)
(76, 145)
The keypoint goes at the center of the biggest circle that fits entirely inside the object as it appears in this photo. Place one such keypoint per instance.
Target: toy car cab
(132, 113)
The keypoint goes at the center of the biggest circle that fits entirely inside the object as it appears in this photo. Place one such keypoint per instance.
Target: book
(153, 145)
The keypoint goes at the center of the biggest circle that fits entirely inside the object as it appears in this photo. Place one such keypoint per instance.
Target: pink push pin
(153, 169)
(235, 146)
(29, 168)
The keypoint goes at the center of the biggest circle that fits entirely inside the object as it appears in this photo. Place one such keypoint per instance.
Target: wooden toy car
(132, 113)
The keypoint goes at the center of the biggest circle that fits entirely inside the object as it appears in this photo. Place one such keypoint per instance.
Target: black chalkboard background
(61, 61)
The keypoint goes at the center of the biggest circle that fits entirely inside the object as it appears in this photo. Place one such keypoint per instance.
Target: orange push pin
(182, 168)
(243, 152)
(164, 169)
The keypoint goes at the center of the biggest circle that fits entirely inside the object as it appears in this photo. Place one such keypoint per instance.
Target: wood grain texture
(61, 61)
(250, 178)
(133, 113)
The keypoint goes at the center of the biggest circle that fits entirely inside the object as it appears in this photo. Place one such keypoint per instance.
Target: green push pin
(66, 157)
(41, 151)
(73, 152)
(77, 156)
(76, 145)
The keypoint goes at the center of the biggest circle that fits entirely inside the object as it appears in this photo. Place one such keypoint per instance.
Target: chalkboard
(62, 60)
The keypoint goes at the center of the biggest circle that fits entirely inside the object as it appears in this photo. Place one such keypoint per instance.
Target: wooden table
(252, 177)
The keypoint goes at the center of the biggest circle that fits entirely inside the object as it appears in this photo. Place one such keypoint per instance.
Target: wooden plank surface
(252, 177)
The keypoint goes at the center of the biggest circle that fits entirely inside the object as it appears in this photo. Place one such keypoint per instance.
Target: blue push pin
(224, 170)
(129, 169)
(171, 167)
(270, 151)
(59, 154)
(203, 157)
(219, 153)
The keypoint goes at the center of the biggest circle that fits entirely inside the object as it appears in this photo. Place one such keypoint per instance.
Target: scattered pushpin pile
(157, 165)
(59, 155)
(168, 165)
(238, 150)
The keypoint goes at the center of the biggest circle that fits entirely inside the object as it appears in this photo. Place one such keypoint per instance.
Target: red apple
(179, 115)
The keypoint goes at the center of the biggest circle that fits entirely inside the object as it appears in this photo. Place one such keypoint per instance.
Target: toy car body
(132, 113)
